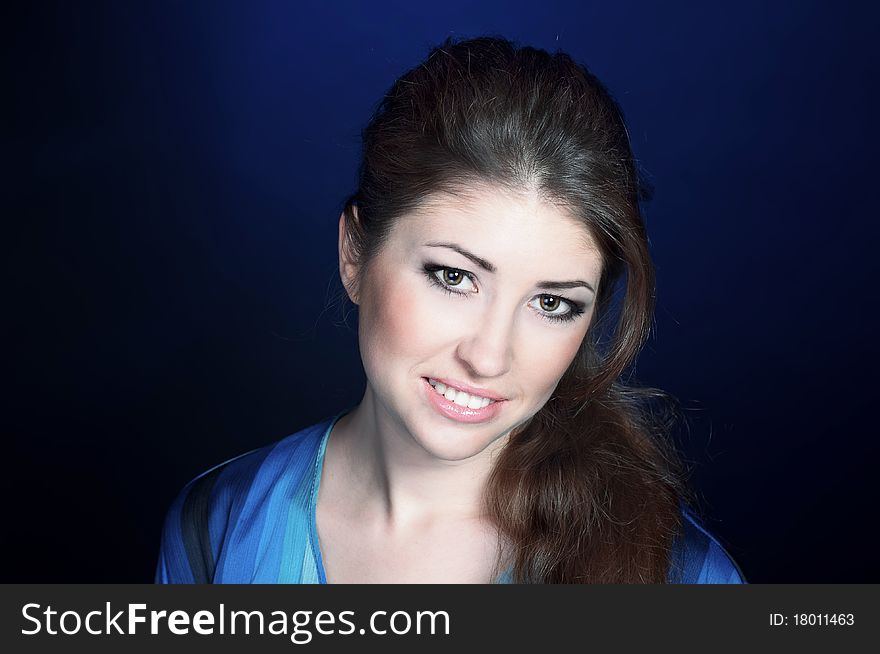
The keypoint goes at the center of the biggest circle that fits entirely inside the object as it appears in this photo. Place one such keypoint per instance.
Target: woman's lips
(467, 388)
(453, 411)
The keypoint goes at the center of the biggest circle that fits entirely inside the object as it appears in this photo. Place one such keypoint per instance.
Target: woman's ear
(348, 266)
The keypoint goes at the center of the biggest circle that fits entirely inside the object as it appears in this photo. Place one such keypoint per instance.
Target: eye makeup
(431, 271)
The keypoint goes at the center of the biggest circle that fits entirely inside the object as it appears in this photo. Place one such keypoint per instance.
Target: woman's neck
(385, 470)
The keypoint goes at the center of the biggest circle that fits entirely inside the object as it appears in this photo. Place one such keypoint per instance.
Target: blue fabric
(252, 520)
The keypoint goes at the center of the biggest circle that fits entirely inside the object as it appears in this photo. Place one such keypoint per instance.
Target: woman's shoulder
(235, 495)
(261, 467)
(698, 557)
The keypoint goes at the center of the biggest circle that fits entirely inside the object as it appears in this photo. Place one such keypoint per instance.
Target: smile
(464, 407)
(459, 397)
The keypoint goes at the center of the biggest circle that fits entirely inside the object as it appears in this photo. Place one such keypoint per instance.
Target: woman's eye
(554, 307)
(452, 279)
(552, 304)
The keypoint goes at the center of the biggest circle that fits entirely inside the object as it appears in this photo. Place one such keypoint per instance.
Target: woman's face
(491, 295)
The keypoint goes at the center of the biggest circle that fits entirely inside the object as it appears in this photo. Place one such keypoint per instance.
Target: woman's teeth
(460, 397)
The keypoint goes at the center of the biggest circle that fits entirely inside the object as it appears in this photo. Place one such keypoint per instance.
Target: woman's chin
(454, 443)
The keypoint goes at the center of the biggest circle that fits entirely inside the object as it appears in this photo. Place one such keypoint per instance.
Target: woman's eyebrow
(558, 286)
(485, 265)
(480, 261)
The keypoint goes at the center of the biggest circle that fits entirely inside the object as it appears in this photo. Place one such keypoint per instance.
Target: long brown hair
(586, 490)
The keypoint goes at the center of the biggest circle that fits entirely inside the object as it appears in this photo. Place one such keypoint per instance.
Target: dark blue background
(172, 178)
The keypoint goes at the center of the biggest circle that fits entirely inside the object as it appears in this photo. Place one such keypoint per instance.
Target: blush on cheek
(400, 321)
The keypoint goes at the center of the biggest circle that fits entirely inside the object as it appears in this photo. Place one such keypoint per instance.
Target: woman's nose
(487, 351)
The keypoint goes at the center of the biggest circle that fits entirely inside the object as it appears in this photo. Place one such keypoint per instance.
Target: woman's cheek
(547, 364)
(405, 318)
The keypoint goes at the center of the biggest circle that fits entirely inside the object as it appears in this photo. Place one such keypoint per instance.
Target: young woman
(498, 258)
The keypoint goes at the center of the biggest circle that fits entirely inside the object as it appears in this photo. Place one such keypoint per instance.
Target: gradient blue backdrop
(172, 178)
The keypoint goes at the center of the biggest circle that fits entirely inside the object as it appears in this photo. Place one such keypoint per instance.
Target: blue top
(251, 520)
